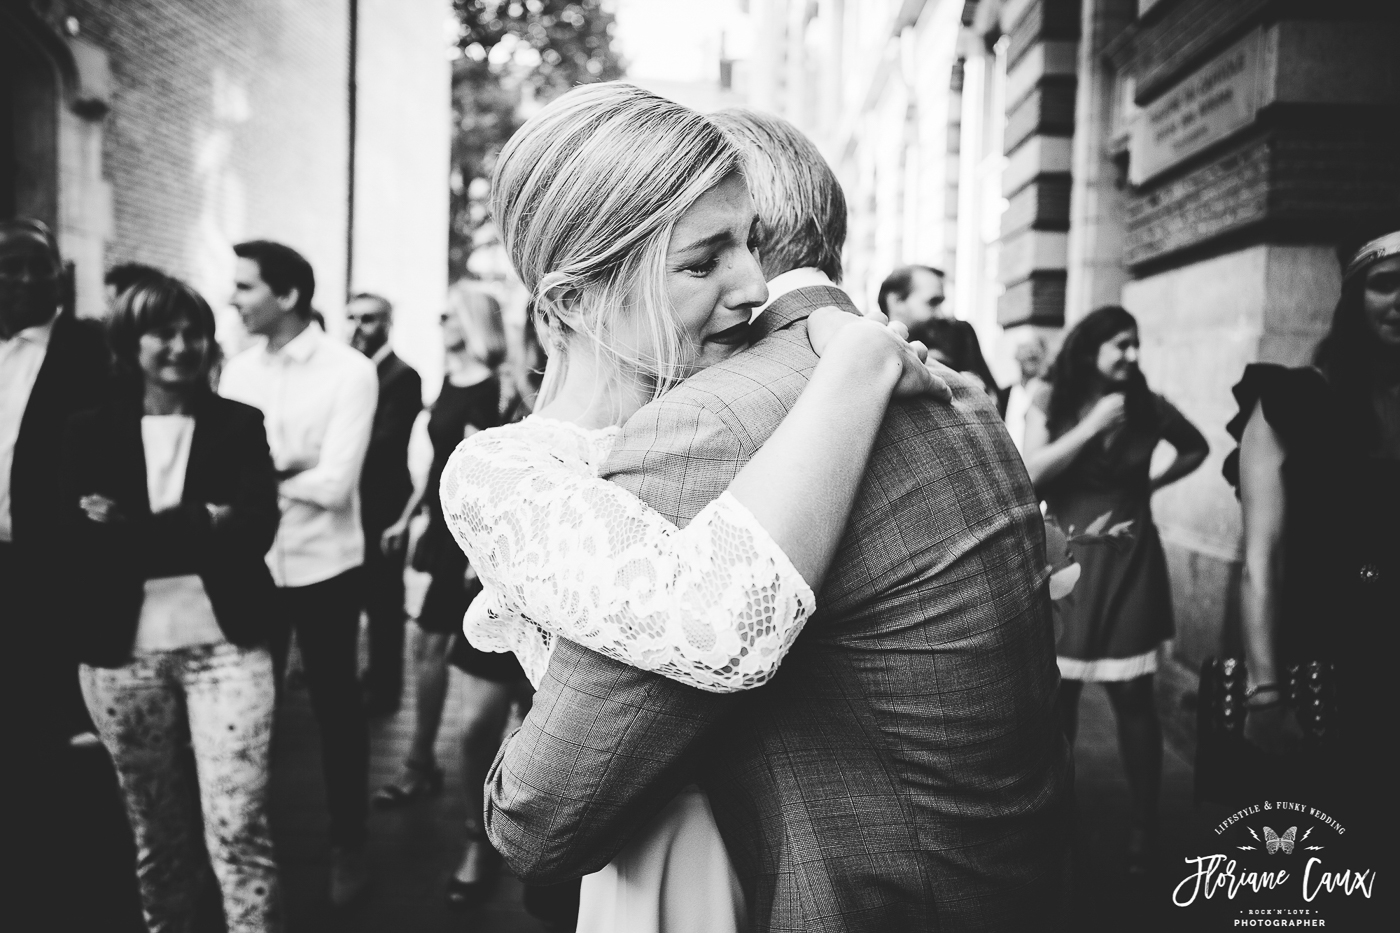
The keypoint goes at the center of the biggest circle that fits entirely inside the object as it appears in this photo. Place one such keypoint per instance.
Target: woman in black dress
(474, 342)
(1318, 473)
(1088, 446)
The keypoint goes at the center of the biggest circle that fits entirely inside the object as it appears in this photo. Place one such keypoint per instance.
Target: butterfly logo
(1273, 841)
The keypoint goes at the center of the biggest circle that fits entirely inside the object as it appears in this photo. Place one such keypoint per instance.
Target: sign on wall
(1215, 101)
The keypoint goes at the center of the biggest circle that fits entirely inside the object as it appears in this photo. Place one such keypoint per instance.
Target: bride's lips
(735, 336)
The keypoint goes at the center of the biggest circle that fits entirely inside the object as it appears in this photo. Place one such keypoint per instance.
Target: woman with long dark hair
(1089, 443)
(1318, 473)
(173, 506)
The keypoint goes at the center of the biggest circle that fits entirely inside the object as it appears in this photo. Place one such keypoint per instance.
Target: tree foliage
(513, 53)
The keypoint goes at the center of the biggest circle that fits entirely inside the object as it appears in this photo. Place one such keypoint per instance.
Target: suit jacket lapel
(52, 379)
(207, 427)
(128, 468)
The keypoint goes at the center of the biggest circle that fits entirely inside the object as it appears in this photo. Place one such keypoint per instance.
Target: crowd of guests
(217, 507)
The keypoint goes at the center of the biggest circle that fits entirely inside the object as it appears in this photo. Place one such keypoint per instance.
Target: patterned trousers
(221, 697)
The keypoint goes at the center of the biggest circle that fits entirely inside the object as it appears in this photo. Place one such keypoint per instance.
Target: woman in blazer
(173, 505)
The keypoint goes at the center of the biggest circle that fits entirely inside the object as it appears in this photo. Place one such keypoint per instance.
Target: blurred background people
(385, 487)
(1088, 447)
(1318, 474)
(914, 296)
(171, 506)
(122, 276)
(1030, 355)
(51, 365)
(522, 374)
(474, 345)
(318, 397)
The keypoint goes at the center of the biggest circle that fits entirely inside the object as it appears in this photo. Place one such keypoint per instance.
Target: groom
(904, 770)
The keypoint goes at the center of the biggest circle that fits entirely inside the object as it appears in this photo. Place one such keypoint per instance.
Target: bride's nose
(748, 288)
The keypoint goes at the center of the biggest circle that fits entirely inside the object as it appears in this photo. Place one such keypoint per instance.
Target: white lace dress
(715, 605)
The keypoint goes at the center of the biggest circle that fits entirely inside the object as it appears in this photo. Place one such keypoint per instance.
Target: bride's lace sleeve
(561, 552)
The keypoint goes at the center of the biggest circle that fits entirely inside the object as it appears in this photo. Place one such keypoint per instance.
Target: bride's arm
(717, 605)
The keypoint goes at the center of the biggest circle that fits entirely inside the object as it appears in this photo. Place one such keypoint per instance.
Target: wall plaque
(1214, 102)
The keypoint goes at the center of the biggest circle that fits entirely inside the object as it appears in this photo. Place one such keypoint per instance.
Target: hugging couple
(779, 583)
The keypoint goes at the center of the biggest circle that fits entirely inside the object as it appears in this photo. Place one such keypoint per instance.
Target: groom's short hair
(801, 208)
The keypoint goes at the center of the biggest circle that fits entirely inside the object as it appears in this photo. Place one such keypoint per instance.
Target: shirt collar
(38, 335)
(792, 280)
(382, 353)
(301, 347)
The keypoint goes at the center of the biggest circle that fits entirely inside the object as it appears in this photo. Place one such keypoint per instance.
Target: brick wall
(228, 120)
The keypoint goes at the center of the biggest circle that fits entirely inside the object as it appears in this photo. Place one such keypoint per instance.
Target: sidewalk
(1106, 899)
(413, 850)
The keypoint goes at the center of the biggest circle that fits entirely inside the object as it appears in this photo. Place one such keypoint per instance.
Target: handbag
(1225, 760)
(1309, 689)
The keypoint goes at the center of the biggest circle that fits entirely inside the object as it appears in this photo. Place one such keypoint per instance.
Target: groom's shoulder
(754, 389)
(779, 363)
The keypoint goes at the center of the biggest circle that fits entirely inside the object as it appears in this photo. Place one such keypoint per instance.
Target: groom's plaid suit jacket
(905, 769)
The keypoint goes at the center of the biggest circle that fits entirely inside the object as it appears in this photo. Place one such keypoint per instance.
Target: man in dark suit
(905, 769)
(385, 487)
(51, 366)
(914, 296)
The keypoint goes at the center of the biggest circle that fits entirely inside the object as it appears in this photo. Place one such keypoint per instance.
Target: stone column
(1040, 98)
(1097, 215)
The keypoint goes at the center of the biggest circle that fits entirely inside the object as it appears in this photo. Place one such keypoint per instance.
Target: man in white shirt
(318, 397)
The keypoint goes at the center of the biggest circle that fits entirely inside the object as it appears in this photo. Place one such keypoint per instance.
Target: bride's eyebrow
(719, 238)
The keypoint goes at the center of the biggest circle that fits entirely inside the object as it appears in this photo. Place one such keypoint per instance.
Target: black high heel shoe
(416, 781)
(471, 885)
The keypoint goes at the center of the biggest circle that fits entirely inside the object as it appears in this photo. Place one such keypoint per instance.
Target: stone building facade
(163, 132)
(1196, 161)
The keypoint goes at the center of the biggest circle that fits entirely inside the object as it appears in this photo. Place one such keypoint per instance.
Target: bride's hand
(919, 377)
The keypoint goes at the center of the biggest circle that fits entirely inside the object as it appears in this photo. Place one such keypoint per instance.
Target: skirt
(1110, 626)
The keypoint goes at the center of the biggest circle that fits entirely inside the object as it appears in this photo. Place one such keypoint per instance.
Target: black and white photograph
(700, 466)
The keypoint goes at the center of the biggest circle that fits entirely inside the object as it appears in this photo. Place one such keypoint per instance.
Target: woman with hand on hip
(174, 505)
(1088, 448)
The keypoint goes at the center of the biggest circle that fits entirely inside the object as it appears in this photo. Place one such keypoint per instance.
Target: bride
(629, 220)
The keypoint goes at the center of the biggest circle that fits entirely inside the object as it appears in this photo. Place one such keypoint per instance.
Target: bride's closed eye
(704, 267)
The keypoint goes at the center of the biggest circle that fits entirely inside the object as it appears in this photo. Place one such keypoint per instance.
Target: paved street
(413, 850)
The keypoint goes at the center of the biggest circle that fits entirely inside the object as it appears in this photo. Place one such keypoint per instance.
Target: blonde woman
(474, 345)
(627, 218)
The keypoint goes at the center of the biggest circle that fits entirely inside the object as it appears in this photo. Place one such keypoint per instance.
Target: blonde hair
(586, 195)
(801, 208)
(479, 314)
